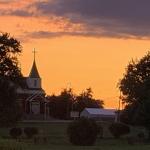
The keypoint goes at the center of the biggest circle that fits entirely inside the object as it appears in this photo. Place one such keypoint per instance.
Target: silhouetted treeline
(61, 105)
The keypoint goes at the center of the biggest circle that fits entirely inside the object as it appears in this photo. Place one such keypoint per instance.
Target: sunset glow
(72, 50)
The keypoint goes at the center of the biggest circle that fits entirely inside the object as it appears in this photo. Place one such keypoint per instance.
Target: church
(31, 96)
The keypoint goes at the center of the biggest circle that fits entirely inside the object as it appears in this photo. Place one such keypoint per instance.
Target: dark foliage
(30, 131)
(60, 106)
(86, 100)
(119, 129)
(9, 77)
(63, 104)
(10, 111)
(15, 132)
(9, 49)
(83, 132)
(8, 147)
(135, 87)
(100, 131)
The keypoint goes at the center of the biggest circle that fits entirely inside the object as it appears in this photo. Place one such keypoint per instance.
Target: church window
(35, 83)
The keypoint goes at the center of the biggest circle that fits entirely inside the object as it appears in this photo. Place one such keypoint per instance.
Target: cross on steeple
(34, 52)
(34, 72)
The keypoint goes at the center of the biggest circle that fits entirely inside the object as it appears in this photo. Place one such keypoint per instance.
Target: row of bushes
(85, 131)
(80, 132)
(28, 131)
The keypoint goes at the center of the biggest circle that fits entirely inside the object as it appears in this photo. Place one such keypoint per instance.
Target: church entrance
(35, 107)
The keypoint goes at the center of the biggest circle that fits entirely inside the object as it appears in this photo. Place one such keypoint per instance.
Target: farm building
(100, 114)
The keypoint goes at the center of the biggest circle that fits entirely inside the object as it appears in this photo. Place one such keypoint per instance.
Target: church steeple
(34, 72)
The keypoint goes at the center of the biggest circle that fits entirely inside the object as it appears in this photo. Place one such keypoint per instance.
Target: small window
(35, 83)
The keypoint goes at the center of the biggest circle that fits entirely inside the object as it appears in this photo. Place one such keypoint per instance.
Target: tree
(60, 106)
(83, 131)
(86, 100)
(135, 87)
(9, 76)
(9, 49)
(10, 111)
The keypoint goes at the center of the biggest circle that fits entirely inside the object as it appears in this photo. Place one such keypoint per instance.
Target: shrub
(30, 131)
(119, 129)
(141, 135)
(83, 132)
(15, 132)
(100, 131)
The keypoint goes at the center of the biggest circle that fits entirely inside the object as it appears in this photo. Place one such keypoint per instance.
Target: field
(57, 139)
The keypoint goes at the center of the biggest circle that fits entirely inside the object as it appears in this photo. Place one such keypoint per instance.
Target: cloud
(119, 17)
(6, 1)
(49, 34)
(20, 8)
(107, 18)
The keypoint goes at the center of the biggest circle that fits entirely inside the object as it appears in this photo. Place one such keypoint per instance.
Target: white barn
(99, 114)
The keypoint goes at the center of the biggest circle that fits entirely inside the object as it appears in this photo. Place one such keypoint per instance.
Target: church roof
(34, 72)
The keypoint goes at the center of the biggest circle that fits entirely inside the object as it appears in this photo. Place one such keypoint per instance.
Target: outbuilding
(100, 114)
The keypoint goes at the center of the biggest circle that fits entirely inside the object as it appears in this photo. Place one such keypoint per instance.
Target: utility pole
(120, 99)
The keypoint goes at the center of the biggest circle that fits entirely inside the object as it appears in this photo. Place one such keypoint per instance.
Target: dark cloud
(110, 18)
(130, 11)
(21, 13)
(120, 17)
(50, 34)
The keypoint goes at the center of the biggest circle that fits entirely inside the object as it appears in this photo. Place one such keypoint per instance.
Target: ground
(57, 139)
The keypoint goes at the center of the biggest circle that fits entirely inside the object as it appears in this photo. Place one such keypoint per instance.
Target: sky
(79, 43)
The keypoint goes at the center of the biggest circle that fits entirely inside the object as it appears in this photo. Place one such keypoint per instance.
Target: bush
(119, 129)
(83, 132)
(15, 132)
(100, 131)
(30, 131)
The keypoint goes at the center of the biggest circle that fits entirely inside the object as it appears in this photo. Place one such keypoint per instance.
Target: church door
(35, 107)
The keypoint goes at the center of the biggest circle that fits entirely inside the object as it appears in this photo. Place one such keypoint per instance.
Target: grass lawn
(57, 139)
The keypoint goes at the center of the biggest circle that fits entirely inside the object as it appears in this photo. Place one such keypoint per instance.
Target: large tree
(60, 105)
(9, 77)
(86, 100)
(135, 87)
(9, 49)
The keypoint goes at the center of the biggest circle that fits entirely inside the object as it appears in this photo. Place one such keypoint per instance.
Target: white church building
(31, 96)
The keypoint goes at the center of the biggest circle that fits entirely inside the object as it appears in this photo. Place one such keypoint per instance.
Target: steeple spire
(34, 54)
(34, 72)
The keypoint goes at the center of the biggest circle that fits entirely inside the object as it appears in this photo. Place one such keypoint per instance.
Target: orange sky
(76, 61)
(83, 62)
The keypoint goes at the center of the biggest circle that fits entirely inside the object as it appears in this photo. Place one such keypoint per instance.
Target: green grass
(57, 139)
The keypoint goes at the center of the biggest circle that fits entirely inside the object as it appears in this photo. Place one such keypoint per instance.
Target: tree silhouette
(86, 100)
(9, 109)
(60, 106)
(9, 77)
(135, 87)
(67, 101)
(9, 49)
